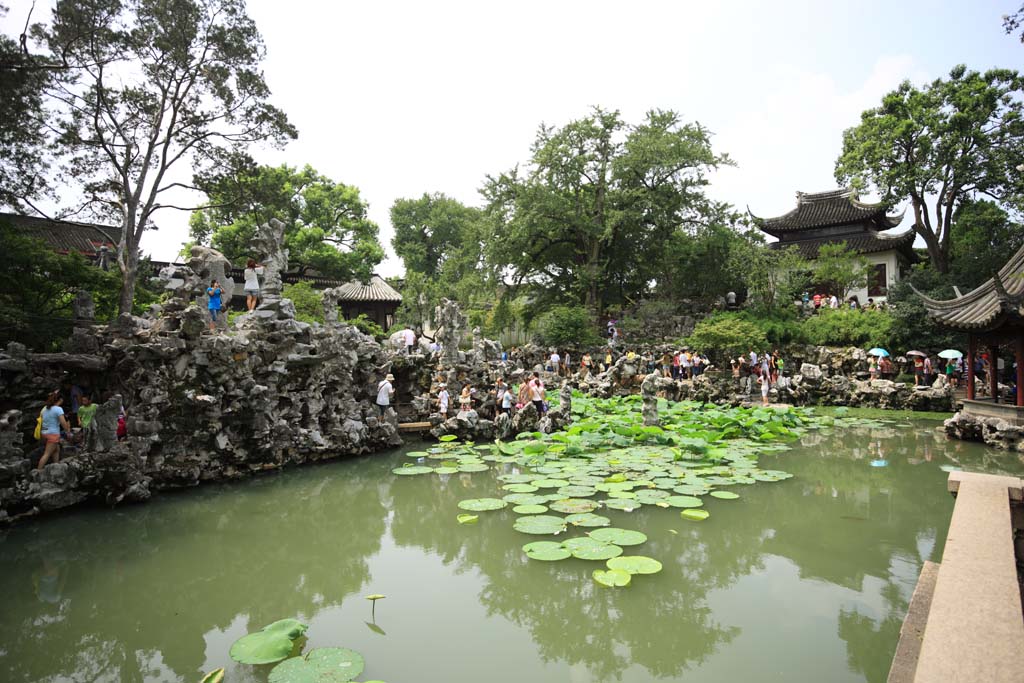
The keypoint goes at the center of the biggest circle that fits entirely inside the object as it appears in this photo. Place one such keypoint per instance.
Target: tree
(774, 277)
(597, 197)
(983, 241)
(1012, 22)
(23, 78)
(947, 143)
(726, 336)
(145, 87)
(840, 269)
(326, 226)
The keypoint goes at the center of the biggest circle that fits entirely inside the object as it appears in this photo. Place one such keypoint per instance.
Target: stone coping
(975, 626)
(1003, 411)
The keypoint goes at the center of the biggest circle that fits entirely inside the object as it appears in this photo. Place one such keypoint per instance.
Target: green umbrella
(950, 353)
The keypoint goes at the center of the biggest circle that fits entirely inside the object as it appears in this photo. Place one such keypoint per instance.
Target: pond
(803, 579)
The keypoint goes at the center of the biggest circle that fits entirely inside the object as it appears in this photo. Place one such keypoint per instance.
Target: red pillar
(1019, 356)
(970, 366)
(993, 372)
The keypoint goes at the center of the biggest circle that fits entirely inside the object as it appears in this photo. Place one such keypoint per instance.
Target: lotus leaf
(623, 504)
(612, 578)
(587, 519)
(540, 525)
(322, 665)
(466, 518)
(621, 494)
(530, 509)
(417, 454)
(519, 488)
(448, 438)
(695, 515)
(215, 676)
(618, 536)
(574, 505)
(516, 478)
(577, 491)
(446, 470)
(684, 501)
(413, 469)
(725, 495)
(601, 551)
(549, 483)
(270, 644)
(482, 504)
(525, 499)
(635, 564)
(548, 551)
(473, 468)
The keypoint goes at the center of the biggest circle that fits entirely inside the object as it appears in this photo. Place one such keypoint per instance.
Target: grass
(880, 413)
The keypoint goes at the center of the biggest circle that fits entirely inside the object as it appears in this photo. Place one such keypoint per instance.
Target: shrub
(567, 326)
(308, 306)
(367, 326)
(849, 327)
(727, 335)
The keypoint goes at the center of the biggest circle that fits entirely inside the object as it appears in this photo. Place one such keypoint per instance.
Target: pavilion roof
(66, 236)
(825, 209)
(998, 300)
(862, 243)
(377, 289)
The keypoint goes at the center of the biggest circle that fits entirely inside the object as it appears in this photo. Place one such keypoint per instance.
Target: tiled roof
(862, 243)
(987, 307)
(823, 209)
(376, 290)
(66, 236)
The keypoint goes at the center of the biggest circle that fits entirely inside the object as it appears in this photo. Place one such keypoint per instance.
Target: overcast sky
(399, 99)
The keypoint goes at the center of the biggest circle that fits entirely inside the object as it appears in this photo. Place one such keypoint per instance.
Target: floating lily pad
(612, 578)
(624, 504)
(587, 519)
(725, 495)
(549, 483)
(548, 551)
(448, 437)
(684, 501)
(539, 524)
(635, 564)
(322, 665)
(446, 470)
(473, 468)
(581, 542)
(574, 505)
(270, 644)
(621, 494)
(695, 515)
(466, 518)
(417, 454)
(530, 509)
(516, 478)
(413, 469)
(577, 491)
(618, 536)
(525, 499)
(482, 504)
(601, 551)
(519, 488)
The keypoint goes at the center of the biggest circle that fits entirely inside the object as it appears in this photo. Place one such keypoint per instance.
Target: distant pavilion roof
(377, 289)
(66, 236)
(862, 243)
(997, 302)
(825, 209)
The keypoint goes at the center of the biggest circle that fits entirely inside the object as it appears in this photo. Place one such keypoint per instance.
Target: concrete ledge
(975, 627)
(904, 662)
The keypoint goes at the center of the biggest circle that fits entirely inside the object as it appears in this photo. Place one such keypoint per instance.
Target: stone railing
(965, 621)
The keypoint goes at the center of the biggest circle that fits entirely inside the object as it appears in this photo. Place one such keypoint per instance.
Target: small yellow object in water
(375, 596)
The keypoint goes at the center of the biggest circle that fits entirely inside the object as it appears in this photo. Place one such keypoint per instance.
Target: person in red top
(918, 370)
(817, 301)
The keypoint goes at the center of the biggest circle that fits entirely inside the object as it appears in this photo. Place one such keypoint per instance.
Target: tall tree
(147, 88)
(326, 225)
(596, 198)
(840, 268)
(984, 239)
(940, 145)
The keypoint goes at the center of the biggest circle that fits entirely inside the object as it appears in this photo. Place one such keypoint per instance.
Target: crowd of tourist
(64, 420)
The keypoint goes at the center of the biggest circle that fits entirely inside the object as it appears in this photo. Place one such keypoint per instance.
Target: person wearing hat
(443, 399)
(385, 390)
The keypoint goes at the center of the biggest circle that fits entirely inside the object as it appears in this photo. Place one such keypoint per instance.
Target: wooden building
(98, 243)
(376, 299)
(992, 316)
(838, 216)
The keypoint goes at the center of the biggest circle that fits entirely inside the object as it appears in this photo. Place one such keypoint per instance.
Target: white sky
(402, 98)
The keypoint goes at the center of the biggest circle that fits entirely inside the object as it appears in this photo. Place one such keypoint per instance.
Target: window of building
(877, 284)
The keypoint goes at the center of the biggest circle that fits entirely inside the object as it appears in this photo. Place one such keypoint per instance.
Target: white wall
(892, 273)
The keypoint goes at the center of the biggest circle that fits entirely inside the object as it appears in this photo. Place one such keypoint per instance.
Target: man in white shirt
(443, 400)
(410, 340)
(385, 390)
(833, 302)
(554, 361)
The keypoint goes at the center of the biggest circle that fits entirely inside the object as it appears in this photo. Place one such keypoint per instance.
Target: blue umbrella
(878, 352)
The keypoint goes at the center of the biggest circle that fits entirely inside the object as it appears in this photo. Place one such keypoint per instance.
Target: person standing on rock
(466, 398)
(53, 424)
(252, 274)
(507, 399)
(410, 340)
(385, 390)
(537, 393)
(213, 293)
(766, 384)
(928, 371)
(443, 400)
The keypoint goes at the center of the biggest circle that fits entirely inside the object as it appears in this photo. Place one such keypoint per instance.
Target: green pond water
(806, 579)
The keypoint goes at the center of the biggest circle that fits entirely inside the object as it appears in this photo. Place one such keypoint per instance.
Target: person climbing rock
(385, 390)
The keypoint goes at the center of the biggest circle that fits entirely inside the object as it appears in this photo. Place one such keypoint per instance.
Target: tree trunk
(922, 226)
(129, 273)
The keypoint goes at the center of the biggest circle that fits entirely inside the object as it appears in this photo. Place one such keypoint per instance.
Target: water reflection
(159, 592)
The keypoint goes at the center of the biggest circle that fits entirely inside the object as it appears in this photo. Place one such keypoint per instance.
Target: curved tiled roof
(376, 290)
(862, 243)
(66, 236)
(823, 209)
(995, 301)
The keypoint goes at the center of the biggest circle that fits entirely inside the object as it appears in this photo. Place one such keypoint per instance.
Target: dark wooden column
(971, 350)
(1019, 357)
(993, 372)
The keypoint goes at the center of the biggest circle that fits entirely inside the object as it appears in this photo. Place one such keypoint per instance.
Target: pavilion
(992, 316)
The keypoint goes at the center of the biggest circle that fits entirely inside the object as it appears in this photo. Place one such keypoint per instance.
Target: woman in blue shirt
(213, 293)
(53, 423)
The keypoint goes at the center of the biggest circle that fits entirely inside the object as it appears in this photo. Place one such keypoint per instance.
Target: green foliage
(586, 220)
(983, 240)
(727, 335)
(641, 323)
(567, 326)
(912, 328)
(695, 263)
(849, 327)
(362, 323)
(37, 288)
(953, 138)
(840, 269)
(774, 277)
(308, 304)
(326, 226)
